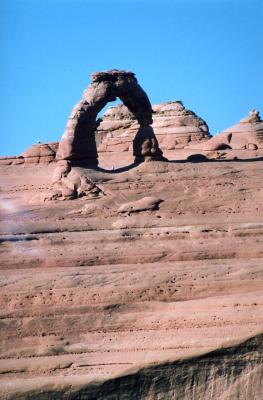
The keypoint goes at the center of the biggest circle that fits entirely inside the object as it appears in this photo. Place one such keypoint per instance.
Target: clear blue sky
(207, 53)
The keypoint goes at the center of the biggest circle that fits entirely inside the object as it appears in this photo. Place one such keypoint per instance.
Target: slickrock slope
(234, 372)
(167, 264)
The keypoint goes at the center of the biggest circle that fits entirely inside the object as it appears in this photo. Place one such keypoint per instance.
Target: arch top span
(78, 141)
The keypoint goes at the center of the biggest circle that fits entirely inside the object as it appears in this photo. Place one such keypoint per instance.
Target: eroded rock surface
(78, 141)
(144, 204)
(174, 127)
(69, 183)
(35, 154)
(246, 135)
(89, 293)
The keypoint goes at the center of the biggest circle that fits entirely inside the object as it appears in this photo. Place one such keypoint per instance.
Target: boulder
(144, 204)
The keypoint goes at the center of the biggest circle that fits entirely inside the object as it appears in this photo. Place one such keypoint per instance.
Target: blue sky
(207, 53)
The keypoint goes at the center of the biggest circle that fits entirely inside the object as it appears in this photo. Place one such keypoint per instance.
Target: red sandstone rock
(78, 142)
(174, 127)
(8, 160)
(88, 292)
(246, 135)
(41, 152)
(144, 204)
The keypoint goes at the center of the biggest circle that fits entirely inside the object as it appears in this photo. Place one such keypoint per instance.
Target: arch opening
(78, 143)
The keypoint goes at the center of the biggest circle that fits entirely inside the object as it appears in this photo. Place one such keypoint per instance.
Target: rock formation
(92, 289)
(144, 204)
(41, 152)
(35, 154)
(68, 183)
(229, 373)
(246, 135)
(174, 127)
(118, 137)
(78, 142)
(78, 148)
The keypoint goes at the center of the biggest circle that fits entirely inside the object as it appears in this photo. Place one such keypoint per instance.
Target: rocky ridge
(173, 125)
(180, 133)
(246, 135)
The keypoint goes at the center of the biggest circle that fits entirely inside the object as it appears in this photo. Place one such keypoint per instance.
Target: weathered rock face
(229, 373)
(174, 127)
(37, 153)
(246, 135)
(78, 141)
(91, 288)
(70, 183)
(42, 152)
(146, 147)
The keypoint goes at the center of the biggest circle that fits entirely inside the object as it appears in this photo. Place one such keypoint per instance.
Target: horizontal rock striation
(37, 153)
(246, 135)
(117, 280)
(230, 373)
(173, 125)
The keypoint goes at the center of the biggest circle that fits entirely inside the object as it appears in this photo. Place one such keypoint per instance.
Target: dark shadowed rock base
(233, 373)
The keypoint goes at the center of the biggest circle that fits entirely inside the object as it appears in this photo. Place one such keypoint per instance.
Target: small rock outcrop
(144, 204)
(40, 153)
(246, 135)
(78, 142)
(35, 154)
(174, 127)
(70, 183)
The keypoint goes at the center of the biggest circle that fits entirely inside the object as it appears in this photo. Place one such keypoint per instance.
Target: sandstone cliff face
(78, 141)
(180, 133)
(233, 373)
(173, 125)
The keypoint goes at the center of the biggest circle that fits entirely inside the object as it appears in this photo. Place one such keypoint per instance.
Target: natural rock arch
(78, 142)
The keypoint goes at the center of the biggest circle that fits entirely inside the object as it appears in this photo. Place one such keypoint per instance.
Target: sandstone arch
(78, 142)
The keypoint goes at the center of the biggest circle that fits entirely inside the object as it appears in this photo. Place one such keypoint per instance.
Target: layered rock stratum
(149, 291)
(179, 132)
(142, 281)
(246, 135)
(173, 125)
